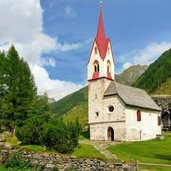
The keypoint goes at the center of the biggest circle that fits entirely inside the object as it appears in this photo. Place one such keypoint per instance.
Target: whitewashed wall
(100, 124)
(99, 131)
(145, 129)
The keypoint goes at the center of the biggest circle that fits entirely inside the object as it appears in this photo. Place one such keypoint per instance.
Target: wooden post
(132, 165)
(137, 164)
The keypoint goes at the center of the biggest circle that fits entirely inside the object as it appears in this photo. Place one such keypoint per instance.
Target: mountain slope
(72, 106)
(75, 104)
(130, 75)
(165, 88)
(157, 75)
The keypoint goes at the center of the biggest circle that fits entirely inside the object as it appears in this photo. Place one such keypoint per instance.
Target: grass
(87, 151)
(85, 135)
(83, 150)
(11, 139)
(153, 151)
(3, 168)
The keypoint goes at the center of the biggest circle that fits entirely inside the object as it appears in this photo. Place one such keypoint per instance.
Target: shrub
(52, 133)
(60, 136)
(31, 131)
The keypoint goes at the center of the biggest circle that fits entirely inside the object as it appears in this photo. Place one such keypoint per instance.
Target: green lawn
(2, 168)
(87, 150)
(153, 151)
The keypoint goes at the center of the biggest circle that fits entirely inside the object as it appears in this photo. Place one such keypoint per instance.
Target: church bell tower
(100, 74)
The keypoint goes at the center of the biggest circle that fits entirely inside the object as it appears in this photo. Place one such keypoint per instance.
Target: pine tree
(21, 90)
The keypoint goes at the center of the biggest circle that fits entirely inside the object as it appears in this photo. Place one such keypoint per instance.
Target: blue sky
(130, 24)
(55, 36)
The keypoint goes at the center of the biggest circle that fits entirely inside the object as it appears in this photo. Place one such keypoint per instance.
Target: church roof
(131, 96)
(101, 40)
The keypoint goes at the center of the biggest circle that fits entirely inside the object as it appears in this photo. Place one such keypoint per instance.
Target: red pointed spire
(101, 40)
(101, 31)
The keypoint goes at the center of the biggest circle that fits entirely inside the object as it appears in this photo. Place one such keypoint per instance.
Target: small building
(116, 111)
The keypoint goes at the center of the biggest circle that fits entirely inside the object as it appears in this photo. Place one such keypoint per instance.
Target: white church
(116, 111)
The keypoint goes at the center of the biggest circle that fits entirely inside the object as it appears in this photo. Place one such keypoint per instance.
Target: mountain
(51, 100)
(130, 75)
(75, 104)
(157, 78)
(72, 106)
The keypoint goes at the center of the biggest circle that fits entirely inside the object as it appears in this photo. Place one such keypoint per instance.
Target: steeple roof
(101, 40)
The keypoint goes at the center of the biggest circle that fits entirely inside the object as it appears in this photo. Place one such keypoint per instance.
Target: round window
(111, 108)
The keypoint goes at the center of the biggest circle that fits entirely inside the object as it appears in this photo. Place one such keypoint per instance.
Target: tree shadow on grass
(163, 157)
(85, 134)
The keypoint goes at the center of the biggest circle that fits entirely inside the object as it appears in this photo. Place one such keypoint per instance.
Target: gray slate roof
(131, 96)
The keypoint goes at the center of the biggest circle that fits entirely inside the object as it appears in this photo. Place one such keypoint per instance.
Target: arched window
(138, 115)
(96, 66)
(159, 120)
(108, 66)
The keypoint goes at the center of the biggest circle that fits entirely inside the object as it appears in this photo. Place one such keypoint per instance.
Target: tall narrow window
(159, 120)
(96, 66)
(96, 70)
(108, 66)
(138, 115)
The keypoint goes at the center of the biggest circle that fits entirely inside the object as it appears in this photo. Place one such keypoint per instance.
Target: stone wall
(163, 101)
(165, 104)
(47, 162)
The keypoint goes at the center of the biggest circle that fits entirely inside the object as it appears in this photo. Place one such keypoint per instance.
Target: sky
(55, 36)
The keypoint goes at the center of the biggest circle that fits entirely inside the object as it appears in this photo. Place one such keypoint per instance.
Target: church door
(110, 134)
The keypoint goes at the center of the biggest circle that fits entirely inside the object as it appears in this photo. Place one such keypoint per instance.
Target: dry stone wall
(48, 162)
(165, 104)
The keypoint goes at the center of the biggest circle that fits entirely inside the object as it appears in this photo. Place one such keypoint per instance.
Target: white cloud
(22, 25)
(69, 12)
(145, 56)
(126, 65)
(54, 88)
(48, 61)
(66, 47)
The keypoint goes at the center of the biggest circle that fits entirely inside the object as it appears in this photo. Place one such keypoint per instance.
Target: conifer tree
(21, 90)
(3, 87)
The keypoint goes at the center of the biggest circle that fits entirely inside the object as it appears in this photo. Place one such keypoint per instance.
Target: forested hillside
(156, 79)
(72, 106)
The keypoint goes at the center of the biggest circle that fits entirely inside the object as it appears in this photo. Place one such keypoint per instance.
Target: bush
(52, 133)
(31, 131)
(60, 136)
